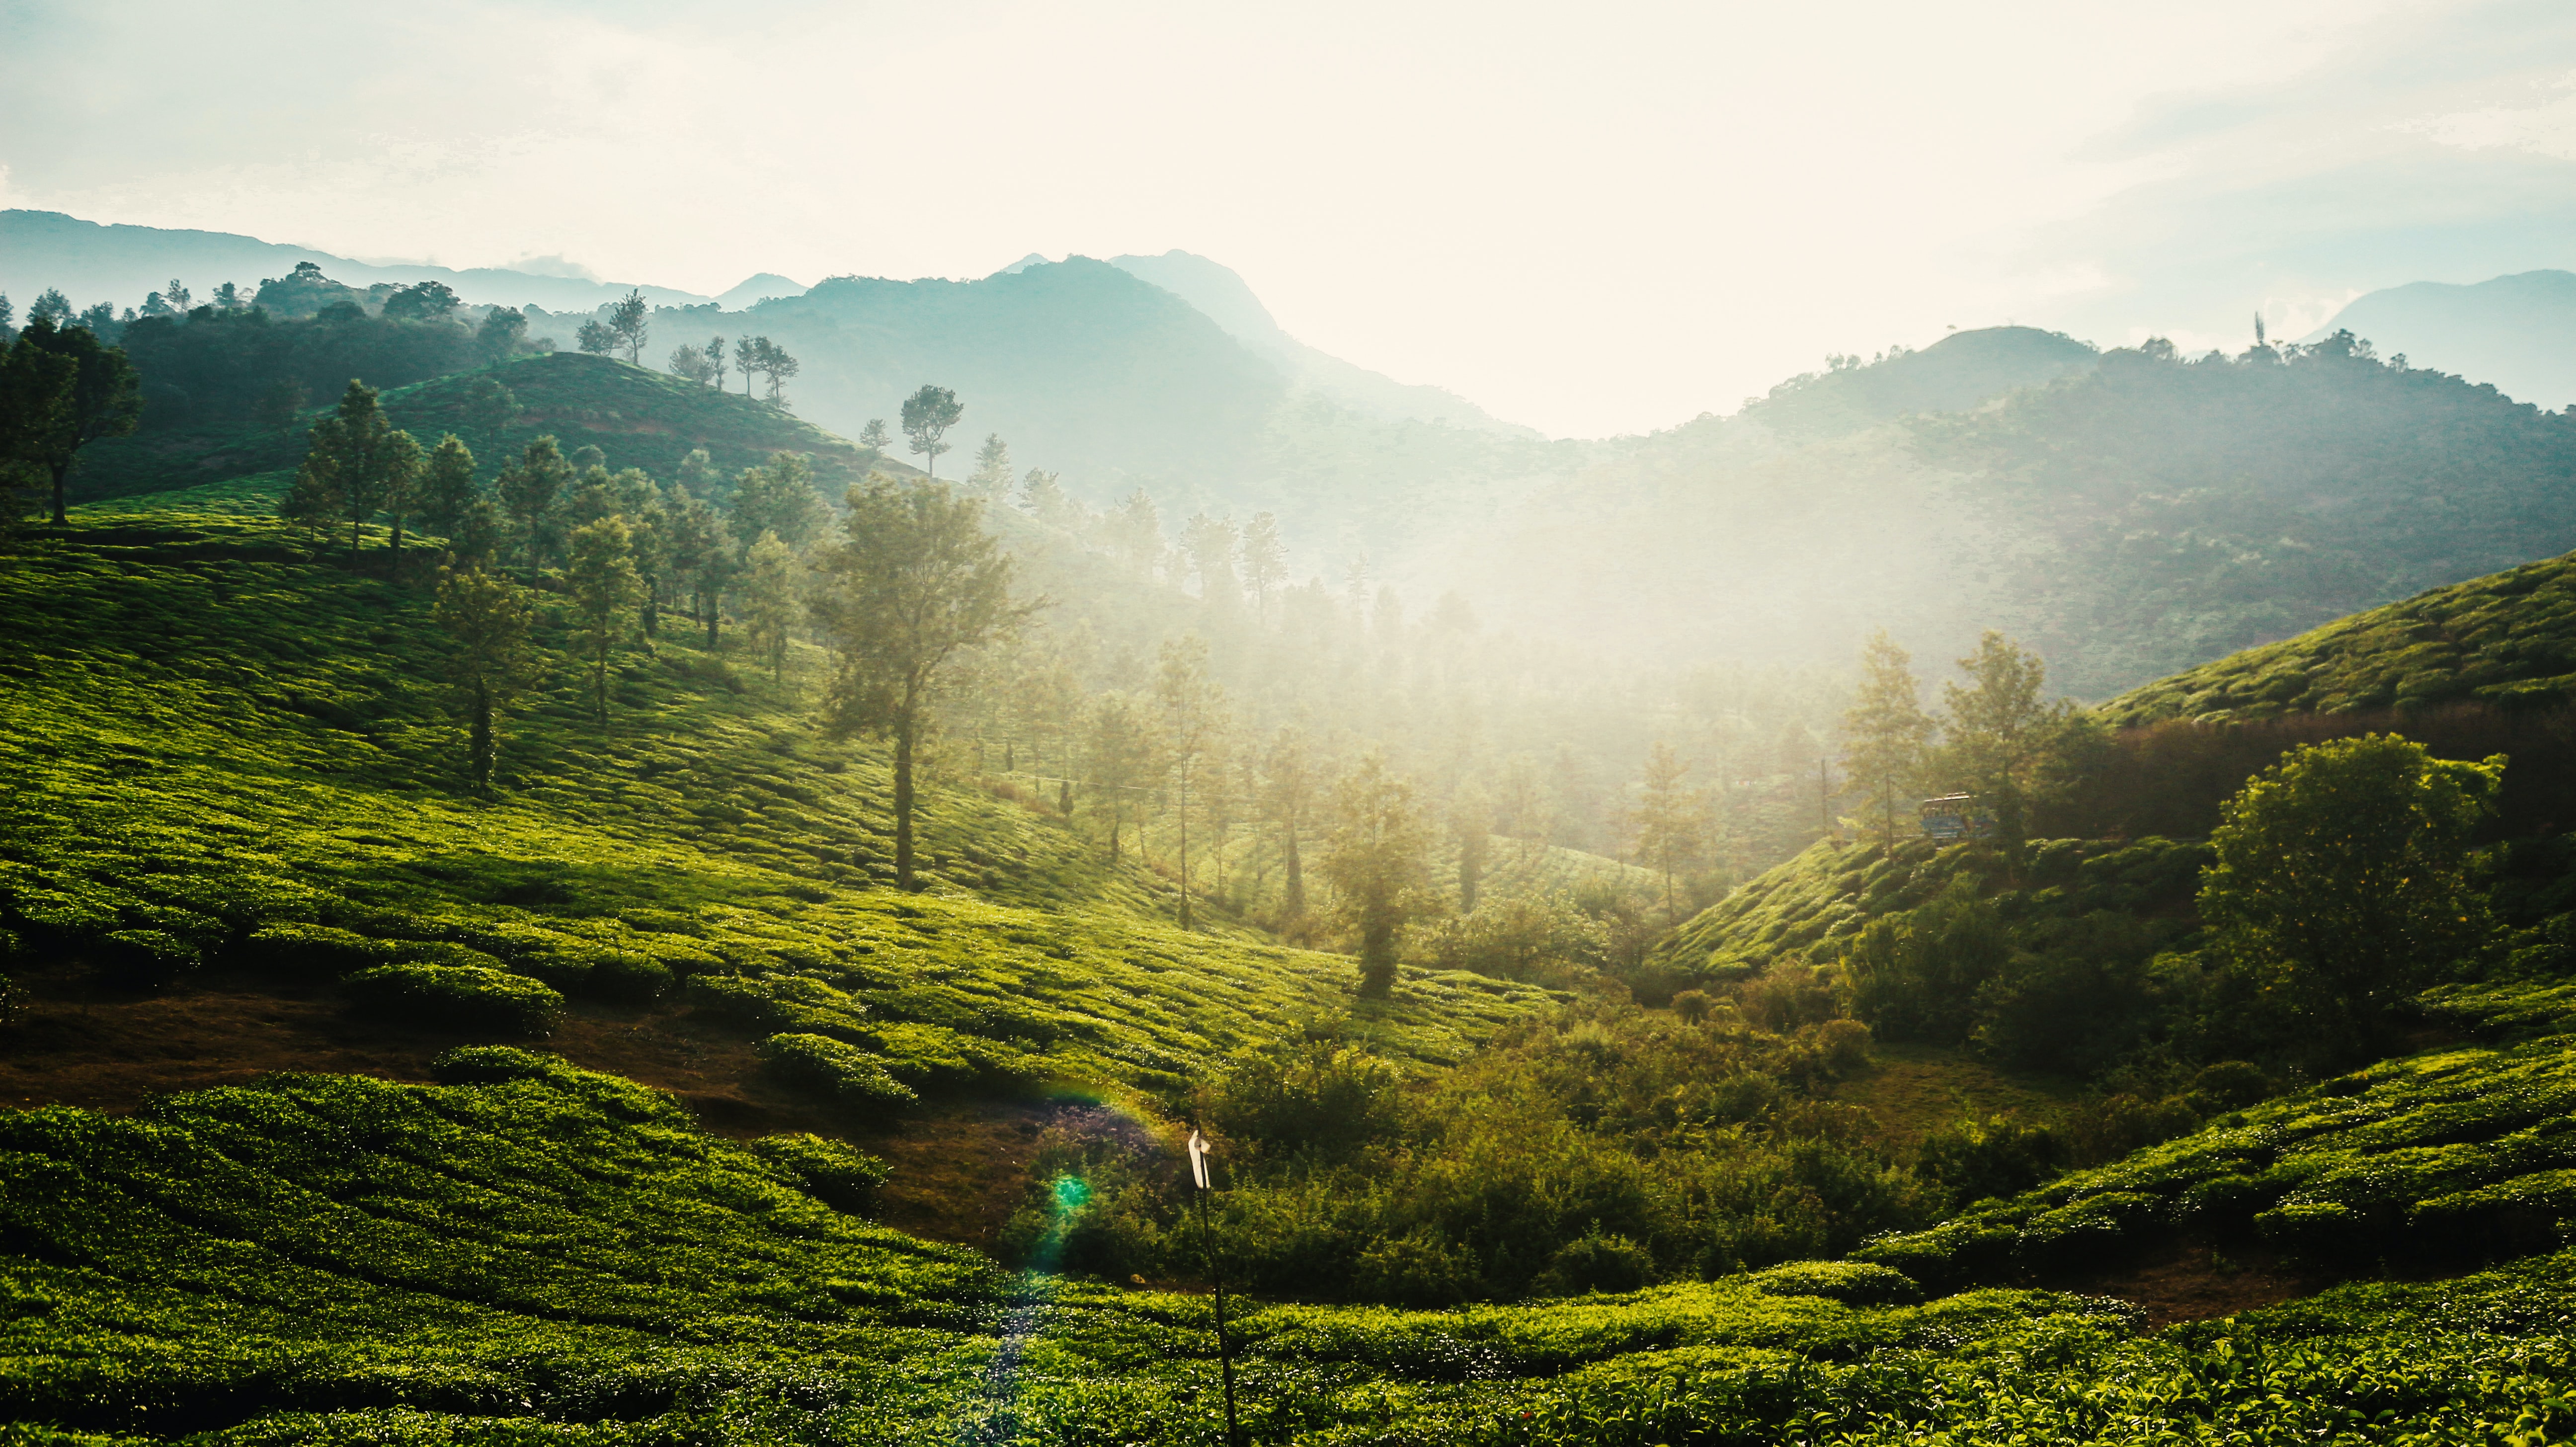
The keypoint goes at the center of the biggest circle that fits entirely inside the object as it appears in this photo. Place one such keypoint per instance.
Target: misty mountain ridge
(2516, 332)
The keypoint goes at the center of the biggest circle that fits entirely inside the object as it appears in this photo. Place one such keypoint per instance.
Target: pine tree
(1378, 863)
(603, 587)
(1886, 731)
(992, 474)
(487, 623)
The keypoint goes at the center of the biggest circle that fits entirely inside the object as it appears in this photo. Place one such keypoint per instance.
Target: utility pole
(1224, 1355)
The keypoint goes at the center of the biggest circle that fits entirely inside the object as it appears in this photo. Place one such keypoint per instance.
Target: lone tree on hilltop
(605, 589)
(1886, 730)
(630, 322)
(2341, 881)
(1377, 860)
(594, 337)
(873, 440)
(492, 664)
(927, 416)
(915, 580)
(992, 474)
(106, 397)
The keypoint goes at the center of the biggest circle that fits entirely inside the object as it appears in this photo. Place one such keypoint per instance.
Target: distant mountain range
(2517, 332)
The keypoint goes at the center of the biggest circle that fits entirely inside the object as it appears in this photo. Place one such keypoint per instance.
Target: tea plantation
(2508, 638)
(530, 1253)
(224, 749)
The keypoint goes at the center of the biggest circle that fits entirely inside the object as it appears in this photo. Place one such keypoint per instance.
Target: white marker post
(1201, 1181)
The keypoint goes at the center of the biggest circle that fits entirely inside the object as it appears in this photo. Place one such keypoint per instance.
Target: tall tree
(106, 396)
(1210, 544)
(690, 363)
(769, 595)
(489, 407)
(448, 488)
(630, 322)
(1378, 862)
(361, 460)
(1471, 829)
(1886, 732)
(873, 440)
(532, 490)
(1265, 560)
(50, 306)
(746, 359)
(927, 416)
(700, 558)
(594, 337)
(778, 366)
(914, 581)
(1287, 793)
(35, 409)
(1670, 821)
(604, 589)
(1193, 713)
(426, 301)
(1045, 498)
(2002, 734)
(501, 336)
(992, 474)
(1118, 762)
(491, 663)
(778, 497)
(1136, 532)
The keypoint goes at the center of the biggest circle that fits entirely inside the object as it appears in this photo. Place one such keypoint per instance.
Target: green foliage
(577, 399)
(833, 1069)
(532, 1253)
(831, 1172)
(2454, 1156)
(210, 734)
(2340, 879)
(457, 997)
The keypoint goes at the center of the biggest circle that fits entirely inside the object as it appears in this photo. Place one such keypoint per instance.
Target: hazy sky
(1591, 218)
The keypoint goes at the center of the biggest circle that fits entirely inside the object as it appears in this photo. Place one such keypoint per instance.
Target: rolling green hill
(638, 417)
(2508, 638)
(225, 755)
(527, 1253)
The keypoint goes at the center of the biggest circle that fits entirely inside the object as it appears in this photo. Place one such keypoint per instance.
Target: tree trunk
(708, 598)
(60, 472)
(1185, 848)
(1377, 961)
(479, 736)
(599, 686)
(1293, 901)
(903, 730)
(353, 542)
(398, 522)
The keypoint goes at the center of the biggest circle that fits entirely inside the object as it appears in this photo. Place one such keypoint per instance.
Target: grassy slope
(532, 1254)
(210, 734)
(639, 417)
(2507, 638)
(2432, 1161)
(1812, 907)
